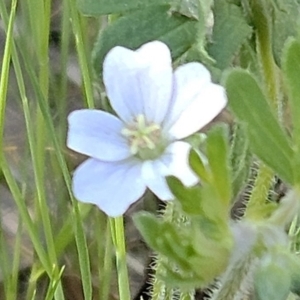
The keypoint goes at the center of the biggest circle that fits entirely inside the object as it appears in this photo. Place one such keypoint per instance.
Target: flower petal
(112, 186)
(176, 158)
(153, 173)
(173, 162)
(196, 101)
(97, 134)
(139, 82)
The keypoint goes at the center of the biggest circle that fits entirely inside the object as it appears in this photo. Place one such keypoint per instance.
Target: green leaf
(148, 225)
(273, 283)
(241, 158)
(296, 285)
(198, 166)
(139, 27)
(229, 33)
(295, 273)
(286, 17)
(272, 279)
(161, 236)
(267, 139)
(215, 208)
(164, 238)
(189, 198)
(188, 8)
(198, 51)
(291, 67)
(182, 246)
(105, 7)
(173, 278)
(218, 154)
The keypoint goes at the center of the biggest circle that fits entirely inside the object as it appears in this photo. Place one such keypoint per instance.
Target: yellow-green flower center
(145, 139)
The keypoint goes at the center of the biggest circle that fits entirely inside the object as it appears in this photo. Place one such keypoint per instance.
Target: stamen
(128, 132)
(145, 139)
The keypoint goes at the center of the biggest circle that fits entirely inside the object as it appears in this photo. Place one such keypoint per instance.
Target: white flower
(156, 109)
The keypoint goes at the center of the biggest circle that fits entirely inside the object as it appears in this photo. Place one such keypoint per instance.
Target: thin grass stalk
(75, 217)
(17, 195)
(5, 266)
(82, 56)
(64, 56)
(105, 273)
(16, 263)
(118, 237)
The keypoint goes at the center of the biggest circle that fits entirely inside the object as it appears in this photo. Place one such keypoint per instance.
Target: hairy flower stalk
(256, 244)
(237, 282)
(159, 289)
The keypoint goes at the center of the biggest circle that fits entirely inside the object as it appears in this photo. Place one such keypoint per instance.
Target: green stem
(159, 289)
(118, 235)
(64, 57)
(107, 267)
(259, 194)
(237, 282)
(158, 286)
(187, 295)
(17, 195)
(36, 134)
(82, 55)
(77, 217)
(5, 69)
(261, 20)
(287, 210)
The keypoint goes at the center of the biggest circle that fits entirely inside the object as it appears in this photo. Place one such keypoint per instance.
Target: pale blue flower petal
(139, 82)
(97, 134)
(176, 158)
(196, 101)
(112, 186)
(153, 174)
(173, 162)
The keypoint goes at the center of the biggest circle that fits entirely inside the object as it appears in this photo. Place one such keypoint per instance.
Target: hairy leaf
(105, 7)
(267, 139)
(152, 23)
(229, 33)
(218, 158)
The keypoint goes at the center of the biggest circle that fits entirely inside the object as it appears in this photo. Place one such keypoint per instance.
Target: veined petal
(188, 79)
(173, 162)
(139, 82)
(196, 101)
(112, 186)
(97, 134)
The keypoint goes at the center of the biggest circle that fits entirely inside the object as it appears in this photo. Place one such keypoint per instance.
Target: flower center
(145, 140)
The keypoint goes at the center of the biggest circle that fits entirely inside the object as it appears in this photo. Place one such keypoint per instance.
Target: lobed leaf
(189, 198)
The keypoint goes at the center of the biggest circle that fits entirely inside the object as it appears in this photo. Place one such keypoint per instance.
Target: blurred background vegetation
(45, 71)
